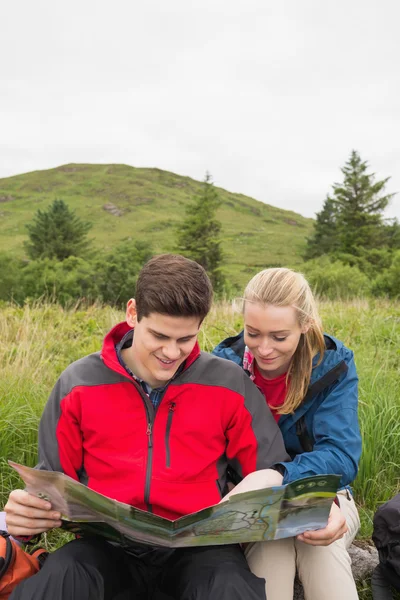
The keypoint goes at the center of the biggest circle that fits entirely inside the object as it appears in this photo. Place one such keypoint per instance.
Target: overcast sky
(270, 97)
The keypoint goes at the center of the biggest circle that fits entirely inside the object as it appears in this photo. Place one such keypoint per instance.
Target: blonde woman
(309, 382)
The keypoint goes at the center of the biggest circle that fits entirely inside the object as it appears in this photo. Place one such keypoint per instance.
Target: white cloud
(269, 97)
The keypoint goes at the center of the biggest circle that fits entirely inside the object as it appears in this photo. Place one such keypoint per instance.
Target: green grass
(254, 235)
(37, 342)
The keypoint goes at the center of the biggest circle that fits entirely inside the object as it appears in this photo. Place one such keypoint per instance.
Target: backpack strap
(331, 377)
(8, 554)
(305, 439)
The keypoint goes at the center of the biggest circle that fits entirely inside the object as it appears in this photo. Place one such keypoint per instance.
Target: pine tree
(360, 205)
(57, 233)
(325, 238)
(392, 233)
(351, 221)
(199, 234)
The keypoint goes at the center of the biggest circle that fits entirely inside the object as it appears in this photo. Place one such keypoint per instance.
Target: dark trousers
(93, 569)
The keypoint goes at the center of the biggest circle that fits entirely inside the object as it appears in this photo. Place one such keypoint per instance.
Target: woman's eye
(252, 335)
(279, 339)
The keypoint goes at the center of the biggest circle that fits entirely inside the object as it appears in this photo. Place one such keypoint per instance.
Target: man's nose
(171, 351)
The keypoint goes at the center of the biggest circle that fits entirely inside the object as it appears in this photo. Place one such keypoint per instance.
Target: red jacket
(100, 428)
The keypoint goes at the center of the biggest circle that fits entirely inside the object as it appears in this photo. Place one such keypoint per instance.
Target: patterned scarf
(248, 363)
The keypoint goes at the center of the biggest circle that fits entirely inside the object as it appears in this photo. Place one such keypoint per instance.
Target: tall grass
(38, 341)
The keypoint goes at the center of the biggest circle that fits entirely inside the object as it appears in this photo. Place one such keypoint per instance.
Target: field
(37, 342)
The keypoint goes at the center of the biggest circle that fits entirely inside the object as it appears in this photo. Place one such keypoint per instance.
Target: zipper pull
(148, 433)
(172, 406)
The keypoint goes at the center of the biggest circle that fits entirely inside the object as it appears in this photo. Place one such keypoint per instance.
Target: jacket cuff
(280, 468)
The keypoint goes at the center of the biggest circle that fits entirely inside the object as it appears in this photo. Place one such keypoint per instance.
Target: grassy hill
(123, 202)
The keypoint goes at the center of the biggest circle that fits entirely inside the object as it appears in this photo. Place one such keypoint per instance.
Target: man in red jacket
(154, 422)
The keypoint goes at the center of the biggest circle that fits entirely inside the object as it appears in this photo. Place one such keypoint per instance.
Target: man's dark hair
(173, 285)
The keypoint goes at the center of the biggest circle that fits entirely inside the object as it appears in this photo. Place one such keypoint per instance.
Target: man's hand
(28, 515)
(335, 529)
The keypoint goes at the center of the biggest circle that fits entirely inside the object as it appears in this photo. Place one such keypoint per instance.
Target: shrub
(63, 282)
(388, 282)
(116, 273)
(10, 278)
(335, 280)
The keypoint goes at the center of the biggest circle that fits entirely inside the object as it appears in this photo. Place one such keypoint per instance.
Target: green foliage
(117, 271)
(369, 262)
(109, 278)
(64, 282)
(334, 279)
(388, 282)
(392, 233)
(325, 238)
(199, 234)
(351, 221)
(10, 277)
(360, 204)
(57, 233)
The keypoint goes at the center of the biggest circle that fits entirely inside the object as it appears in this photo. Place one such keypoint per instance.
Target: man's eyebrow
(157, 332)
(167, 337)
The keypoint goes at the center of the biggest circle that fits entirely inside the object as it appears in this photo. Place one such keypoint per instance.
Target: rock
(114, 210)
(364, 559)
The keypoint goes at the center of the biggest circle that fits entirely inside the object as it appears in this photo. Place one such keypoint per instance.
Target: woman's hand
(335, 529)
(28, 515)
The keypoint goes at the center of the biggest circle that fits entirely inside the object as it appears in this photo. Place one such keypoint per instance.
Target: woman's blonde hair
(284, 287)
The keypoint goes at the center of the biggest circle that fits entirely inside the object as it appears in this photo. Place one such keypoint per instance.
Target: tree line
(353, 251)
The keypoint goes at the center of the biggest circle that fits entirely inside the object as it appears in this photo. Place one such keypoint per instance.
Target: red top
(274, 390)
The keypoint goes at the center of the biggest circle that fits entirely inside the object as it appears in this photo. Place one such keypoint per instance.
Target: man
(153, 422)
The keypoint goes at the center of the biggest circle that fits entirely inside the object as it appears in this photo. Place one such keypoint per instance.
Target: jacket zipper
(149, 466)
(171, 411)
(150, 414)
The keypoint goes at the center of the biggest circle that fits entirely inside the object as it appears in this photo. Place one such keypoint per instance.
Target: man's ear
(131, 313)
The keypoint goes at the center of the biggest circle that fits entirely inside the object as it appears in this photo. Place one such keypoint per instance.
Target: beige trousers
(324, 571)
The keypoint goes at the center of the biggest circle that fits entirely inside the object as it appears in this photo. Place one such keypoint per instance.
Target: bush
(335, 280)
(368, 261)
(388, 282)
(63, 282)
(10, 278)
(116, 272)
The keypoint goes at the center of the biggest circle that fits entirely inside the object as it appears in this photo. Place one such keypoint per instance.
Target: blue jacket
(322, 435)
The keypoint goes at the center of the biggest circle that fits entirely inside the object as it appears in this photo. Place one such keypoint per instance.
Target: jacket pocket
(171, 411)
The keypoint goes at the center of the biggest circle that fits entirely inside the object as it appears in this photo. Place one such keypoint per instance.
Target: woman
(310, 384)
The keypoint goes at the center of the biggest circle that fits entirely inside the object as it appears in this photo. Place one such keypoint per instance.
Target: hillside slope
(148, 204)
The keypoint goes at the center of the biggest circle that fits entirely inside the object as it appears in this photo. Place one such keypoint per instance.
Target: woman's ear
(305, 327)
(131, 313)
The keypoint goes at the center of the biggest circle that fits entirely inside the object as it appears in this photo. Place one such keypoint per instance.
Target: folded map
(263, 514)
